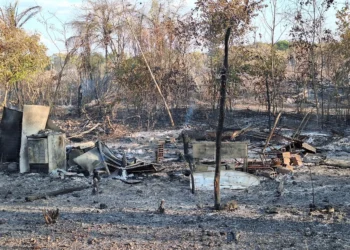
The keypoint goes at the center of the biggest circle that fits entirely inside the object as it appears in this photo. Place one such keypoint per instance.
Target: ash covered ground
(124, 216)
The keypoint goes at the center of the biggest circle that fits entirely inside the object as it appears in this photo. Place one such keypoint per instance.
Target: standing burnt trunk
(221, 123)
(268, 101)
(80, 100)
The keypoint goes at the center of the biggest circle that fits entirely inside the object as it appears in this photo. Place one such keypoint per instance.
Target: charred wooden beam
(55, 193)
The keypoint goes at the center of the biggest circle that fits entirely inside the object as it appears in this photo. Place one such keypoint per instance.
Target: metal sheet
(37, 150)
(229, 179)
(90, 160)
(11, 129)
(34, 119)
(57, 151)
(228, 150)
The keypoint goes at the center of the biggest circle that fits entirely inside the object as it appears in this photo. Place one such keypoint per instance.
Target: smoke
(189, 114)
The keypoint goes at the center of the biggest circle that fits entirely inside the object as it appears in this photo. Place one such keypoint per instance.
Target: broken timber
(55, 193)
(84, 132)
(301, 126)
(272, 131)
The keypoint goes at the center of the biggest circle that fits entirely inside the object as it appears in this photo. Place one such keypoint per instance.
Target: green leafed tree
(21, 55)
(282, 45)
(12, 18)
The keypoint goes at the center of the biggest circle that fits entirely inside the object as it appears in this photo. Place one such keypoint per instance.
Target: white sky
(66, 10)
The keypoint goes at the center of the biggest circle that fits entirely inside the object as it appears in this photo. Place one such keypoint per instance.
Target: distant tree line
(114, 51)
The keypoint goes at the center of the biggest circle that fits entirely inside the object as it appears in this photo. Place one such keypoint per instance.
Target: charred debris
(37, 145)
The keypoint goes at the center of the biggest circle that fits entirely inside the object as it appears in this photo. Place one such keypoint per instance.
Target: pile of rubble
(279, 154)
(39, 146)
(32, 143)
(90, 156)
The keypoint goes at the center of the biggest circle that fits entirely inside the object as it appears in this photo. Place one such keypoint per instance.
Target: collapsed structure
(31, 139)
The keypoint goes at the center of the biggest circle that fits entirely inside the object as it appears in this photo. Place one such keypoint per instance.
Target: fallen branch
(336, 163)
(109, 123)
(85, 132)
(55, 193)
(272, 131)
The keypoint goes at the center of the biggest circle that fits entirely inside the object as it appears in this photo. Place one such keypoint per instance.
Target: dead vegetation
(296, 209)
(51, 216)
(132, 143)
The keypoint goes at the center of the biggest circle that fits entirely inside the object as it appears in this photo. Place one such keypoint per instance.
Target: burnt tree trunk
(80, 100)
(221, 123)
(268, 101)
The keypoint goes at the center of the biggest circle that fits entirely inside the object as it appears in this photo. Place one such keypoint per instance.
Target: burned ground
(124, 216)
(131, 221)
